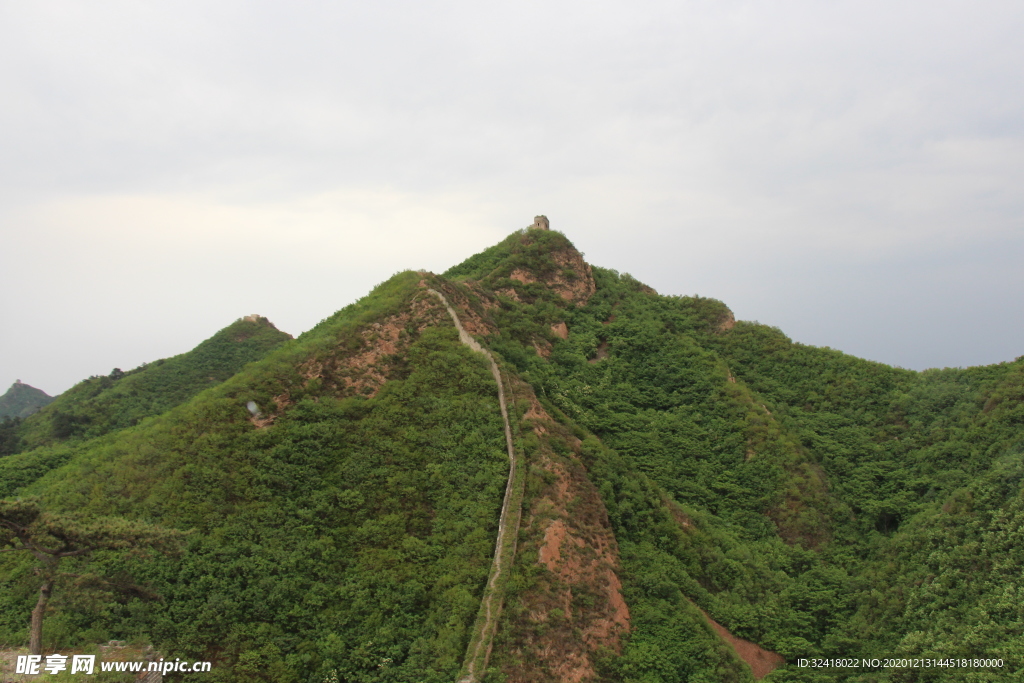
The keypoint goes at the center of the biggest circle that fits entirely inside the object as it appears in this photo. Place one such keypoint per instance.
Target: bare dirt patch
(363, 361)
(510, 293)
(574, 281)
(551, 552)
(761, 661)
(601, 353)
(677, 513)
(536, 416)
(369, 368)
(524, 276)
(575, 609)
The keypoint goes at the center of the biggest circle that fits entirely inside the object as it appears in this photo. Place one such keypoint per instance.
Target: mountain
(106, 403)
(531, 469)
(21, 400)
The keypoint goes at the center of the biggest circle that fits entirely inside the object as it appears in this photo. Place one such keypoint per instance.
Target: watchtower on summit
(540, 223)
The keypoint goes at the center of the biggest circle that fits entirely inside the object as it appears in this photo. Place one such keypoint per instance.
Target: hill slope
(107, 403)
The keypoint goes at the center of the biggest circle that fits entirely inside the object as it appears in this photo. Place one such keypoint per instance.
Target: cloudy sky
(851, 172)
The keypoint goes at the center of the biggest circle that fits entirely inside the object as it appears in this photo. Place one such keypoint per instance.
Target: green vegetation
(51, 539)
(482, 264)
(107, 403)
(817, 504)
(814, 484)
(10, 442)
(352, 535)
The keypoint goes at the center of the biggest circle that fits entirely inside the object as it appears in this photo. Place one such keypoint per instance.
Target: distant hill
(693, 498)
(21, 400)
(106, 403)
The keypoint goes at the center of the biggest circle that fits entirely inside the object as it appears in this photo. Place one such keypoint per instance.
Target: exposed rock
(575, 280)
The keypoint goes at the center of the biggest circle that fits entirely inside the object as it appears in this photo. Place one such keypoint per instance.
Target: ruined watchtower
(540, 223)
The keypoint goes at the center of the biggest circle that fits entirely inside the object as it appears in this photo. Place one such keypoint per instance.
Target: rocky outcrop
(572, 278)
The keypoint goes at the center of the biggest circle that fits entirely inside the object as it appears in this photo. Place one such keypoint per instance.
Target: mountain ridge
(121, 399)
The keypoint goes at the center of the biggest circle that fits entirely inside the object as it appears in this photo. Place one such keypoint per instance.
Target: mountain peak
(535, 255)
(564, 272)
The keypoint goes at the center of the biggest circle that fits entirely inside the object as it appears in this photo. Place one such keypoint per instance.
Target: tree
(9, 440)
(66, 425)
(51, 537)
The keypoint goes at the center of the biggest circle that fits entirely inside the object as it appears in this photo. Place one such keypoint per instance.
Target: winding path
(479, 651)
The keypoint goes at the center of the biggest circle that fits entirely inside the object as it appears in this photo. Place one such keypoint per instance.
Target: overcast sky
(851, 172)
